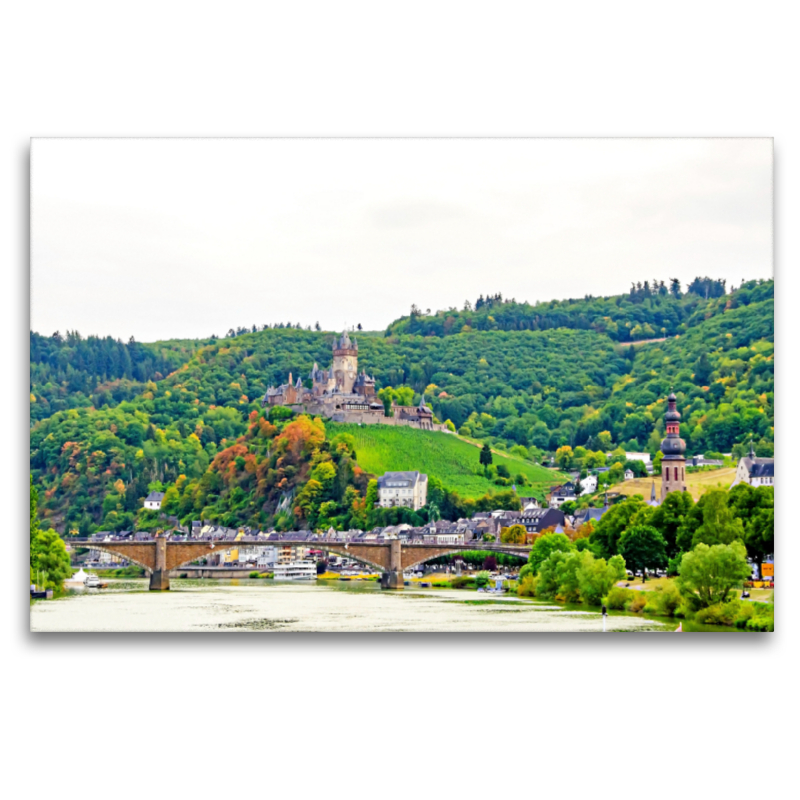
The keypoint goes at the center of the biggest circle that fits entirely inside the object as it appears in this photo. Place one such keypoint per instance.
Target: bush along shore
(704, 591)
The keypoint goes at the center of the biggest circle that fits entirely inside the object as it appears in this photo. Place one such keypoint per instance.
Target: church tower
(345, 363)
(673, 465)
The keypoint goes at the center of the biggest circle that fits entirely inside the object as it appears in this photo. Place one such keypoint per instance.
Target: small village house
(153, 501)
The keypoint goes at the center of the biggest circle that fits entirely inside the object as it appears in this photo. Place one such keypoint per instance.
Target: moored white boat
(78, 579)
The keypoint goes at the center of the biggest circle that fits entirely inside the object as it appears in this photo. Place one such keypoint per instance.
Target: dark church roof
(760, 467)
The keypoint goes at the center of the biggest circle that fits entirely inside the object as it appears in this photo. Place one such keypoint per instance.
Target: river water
(267, 606)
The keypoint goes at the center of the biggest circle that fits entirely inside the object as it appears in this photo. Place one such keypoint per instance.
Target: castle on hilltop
(343, 394)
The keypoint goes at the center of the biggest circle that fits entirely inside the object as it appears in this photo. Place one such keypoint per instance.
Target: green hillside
(449, 458)
(110, 419)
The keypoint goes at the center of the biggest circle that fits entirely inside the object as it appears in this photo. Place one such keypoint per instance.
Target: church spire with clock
(673, 464)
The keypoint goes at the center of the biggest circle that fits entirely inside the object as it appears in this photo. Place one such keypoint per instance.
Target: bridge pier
(392, 580)
(159, 577)
(159, 580)
(393, 577)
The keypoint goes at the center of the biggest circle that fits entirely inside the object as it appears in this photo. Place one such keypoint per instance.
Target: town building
(343, 394)
(562, 494)
(673, 464)
(153, 501)
(442, 532)
(628, 475)
(536, 520)
(588, 485)
(409, 489)
(584, 515)
(755, 471)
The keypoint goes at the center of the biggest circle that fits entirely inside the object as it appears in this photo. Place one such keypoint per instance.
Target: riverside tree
(668, 517)
(643, 548)
(49, 559)
(578, 576)
(755, 506)
(611, 526)
(547, 544)
(708, 574)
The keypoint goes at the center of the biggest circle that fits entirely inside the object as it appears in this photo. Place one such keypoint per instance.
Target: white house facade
(153, 501)
(409, 489)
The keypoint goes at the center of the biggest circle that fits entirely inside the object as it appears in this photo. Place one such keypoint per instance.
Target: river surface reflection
(264, 606)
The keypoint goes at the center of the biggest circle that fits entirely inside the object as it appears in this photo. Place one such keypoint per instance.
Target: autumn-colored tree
(514, 534)
(301, 435)
(564, 457)
(582, 532)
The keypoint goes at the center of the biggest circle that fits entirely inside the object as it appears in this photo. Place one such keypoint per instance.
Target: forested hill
(70, 371)
(650, 310)
(533, 389)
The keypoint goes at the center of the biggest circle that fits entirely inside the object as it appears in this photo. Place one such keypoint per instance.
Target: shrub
(618, 597)
(481, 579)
(526, 570)
(637, 602)
(762, 624)
(664, 601)
(461, 582)
(719, 613)
(527, 586)
(746, 613)
(254, 574)
(758, 617)
(684, 610)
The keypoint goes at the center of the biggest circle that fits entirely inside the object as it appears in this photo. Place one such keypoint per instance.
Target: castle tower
(345, 362)
(673, 465)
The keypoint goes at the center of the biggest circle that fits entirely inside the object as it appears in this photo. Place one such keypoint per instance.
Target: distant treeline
(68, 371)
(650, 310)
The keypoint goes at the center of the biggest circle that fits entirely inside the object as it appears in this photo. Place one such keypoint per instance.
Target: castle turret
(345, 363)
(673, 464)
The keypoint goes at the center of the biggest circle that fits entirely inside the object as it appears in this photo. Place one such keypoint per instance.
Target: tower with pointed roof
(345, 362)
(673, 464)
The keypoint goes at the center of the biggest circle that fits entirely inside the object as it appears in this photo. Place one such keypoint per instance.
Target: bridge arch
(350, 552)
(411, 559)
(141, 559)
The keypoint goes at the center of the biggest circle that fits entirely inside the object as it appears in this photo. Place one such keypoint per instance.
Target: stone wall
(377, 418)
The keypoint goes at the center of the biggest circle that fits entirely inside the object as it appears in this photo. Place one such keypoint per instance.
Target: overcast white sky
(184, 238)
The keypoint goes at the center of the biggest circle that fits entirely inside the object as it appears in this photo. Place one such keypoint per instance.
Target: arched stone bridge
(160, 555)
